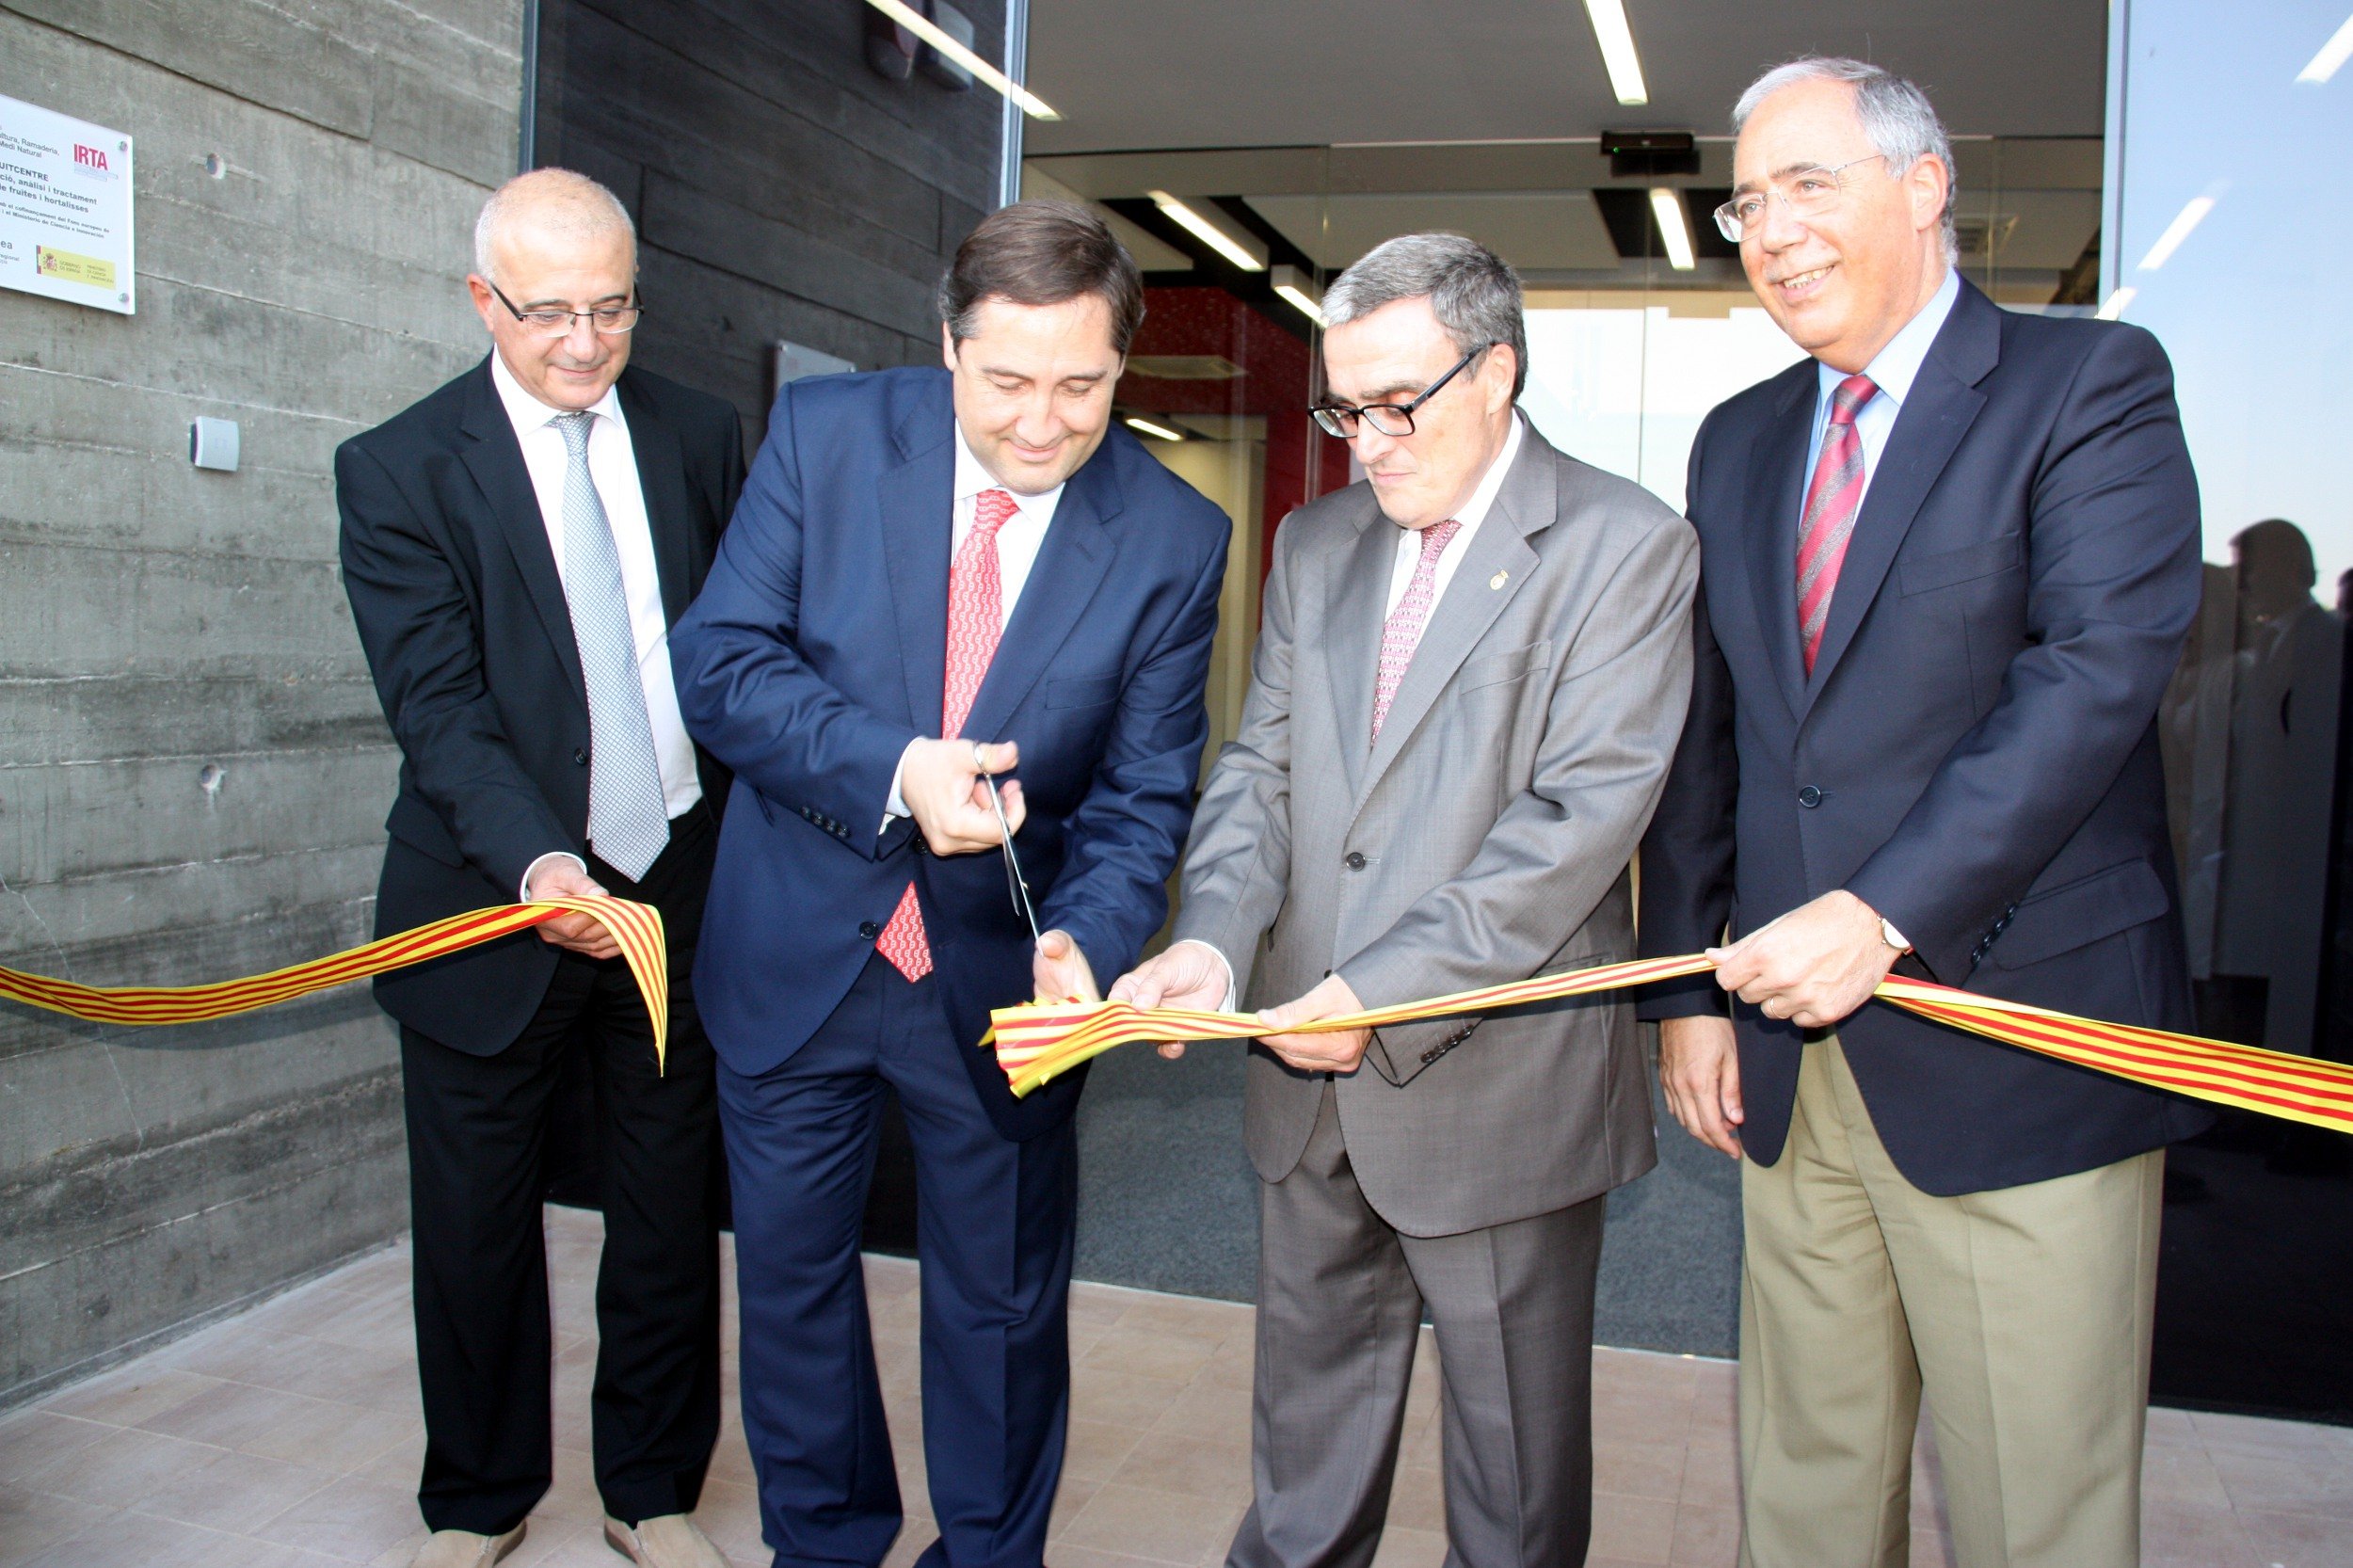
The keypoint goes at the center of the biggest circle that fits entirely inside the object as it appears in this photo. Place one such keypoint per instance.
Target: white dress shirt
(612, 467)
(1018, 540)
(1470, 515)
(1893, 369)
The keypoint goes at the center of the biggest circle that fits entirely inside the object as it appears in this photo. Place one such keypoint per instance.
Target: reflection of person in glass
(2282, 764)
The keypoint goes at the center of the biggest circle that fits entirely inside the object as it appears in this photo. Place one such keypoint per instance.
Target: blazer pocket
(2079, 914)
(419, 827)
(1920, 574)
(1083, 691)
(1498, 668)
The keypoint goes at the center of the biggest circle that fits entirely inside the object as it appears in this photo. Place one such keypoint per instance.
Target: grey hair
(1474, 292)
(572, 203)
(1896, 116)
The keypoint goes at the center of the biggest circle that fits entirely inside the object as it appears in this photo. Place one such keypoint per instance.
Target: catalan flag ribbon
(1036, 1043)
(636, 927)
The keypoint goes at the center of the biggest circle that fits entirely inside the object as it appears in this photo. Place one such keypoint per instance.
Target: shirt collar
(1895, 368)
(1474, 511)
(527, 413)
(972, 478)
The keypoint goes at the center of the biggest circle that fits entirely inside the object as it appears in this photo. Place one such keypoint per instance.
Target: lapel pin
(1499, 579)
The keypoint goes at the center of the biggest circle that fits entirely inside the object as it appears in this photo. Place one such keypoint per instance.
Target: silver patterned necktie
(629, 818)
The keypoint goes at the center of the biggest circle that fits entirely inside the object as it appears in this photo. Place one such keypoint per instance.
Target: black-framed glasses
(549, 321)
(1390, 419)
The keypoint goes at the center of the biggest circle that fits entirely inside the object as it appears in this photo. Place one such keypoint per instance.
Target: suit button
(868, 929)
(1809, 798)
(1355, 860)
(580, 756)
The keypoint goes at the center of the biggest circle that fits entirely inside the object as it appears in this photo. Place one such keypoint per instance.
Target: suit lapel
(1777, 472)
(1527, 503)
(1355, 611)
(1070, 566)
(495, 459)
(918, 502)
(1945, 400)
(669, 513)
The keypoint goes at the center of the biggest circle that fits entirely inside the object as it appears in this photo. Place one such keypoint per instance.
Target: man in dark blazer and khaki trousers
(1470, 679)
(515, 547)
(1947, 563)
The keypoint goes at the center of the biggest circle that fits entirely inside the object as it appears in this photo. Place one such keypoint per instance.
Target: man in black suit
(517, 547)
(1946, 563)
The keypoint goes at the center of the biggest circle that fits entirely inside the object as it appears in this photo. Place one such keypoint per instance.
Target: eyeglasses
(553, 322)
(1810, 193)
(1390, 419)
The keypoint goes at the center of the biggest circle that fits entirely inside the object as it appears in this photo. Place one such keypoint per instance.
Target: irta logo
(89, 157)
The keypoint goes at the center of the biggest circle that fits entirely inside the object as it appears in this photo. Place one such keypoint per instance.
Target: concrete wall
(193, 770)
(781, 188)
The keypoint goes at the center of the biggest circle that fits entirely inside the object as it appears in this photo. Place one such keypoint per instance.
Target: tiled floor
(290, 1436)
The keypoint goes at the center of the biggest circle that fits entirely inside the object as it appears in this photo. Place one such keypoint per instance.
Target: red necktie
(1831, 503)
(1402, 632)
(976, 615)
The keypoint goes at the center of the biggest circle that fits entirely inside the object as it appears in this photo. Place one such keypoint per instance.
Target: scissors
(1016, 884)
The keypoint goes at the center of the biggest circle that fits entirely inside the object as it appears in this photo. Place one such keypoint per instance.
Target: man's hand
(945, 786)
(578, 933)
(1060, 972)
(1188, 975)
(1700, 1070)
(1336, 1052)
(1814, 966)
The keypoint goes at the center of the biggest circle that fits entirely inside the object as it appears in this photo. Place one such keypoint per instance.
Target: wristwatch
(1892, 937)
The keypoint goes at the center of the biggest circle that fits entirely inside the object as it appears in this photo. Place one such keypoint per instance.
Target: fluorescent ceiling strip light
(1163, 431)
(923, 27)
(2114, 309)
(1207, 232)
(2189, 218)
(2332, 54)
(1674, 227)
(1293, 285)
(1617, 50)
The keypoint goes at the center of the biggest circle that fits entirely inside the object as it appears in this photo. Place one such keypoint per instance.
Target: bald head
(553, 241)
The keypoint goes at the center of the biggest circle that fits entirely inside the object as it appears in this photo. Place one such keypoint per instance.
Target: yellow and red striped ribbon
(636, 927)
(1035, 1044)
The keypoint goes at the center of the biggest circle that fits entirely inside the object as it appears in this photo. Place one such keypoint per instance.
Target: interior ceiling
(1206, 73)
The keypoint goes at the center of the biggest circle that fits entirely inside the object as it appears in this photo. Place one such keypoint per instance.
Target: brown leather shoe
(465, 1550)
(670, 1541)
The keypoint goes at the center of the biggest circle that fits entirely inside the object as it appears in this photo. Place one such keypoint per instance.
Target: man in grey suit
(1469, 682)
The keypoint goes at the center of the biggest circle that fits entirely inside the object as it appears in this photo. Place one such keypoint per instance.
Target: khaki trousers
(2023, 1313)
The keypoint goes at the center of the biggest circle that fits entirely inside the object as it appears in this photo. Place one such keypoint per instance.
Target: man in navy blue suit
(1946, 565)
(935, 578)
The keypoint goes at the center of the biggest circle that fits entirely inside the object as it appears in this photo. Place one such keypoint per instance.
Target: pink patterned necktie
(1402, 633)
(1831, 502)
(976, 617)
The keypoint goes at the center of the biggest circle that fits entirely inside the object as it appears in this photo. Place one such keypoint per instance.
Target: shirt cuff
(523, 892)
(896, 806)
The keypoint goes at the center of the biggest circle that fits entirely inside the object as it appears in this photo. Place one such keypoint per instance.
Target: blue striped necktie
(629, 818)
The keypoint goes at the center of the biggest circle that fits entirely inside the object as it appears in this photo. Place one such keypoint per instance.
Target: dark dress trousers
(459, 605)
(816, 653)
(1974, 754)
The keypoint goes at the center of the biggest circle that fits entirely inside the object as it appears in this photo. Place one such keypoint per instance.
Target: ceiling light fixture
(1617, 50)
(1674, 227)
(1244, 253)
(2114, 308)
(1163, 431)
(2189, 218)
(929, 31)
(2332, 54)
(1300, 290)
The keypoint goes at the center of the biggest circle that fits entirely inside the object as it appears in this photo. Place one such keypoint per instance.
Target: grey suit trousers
(1340, 1300)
